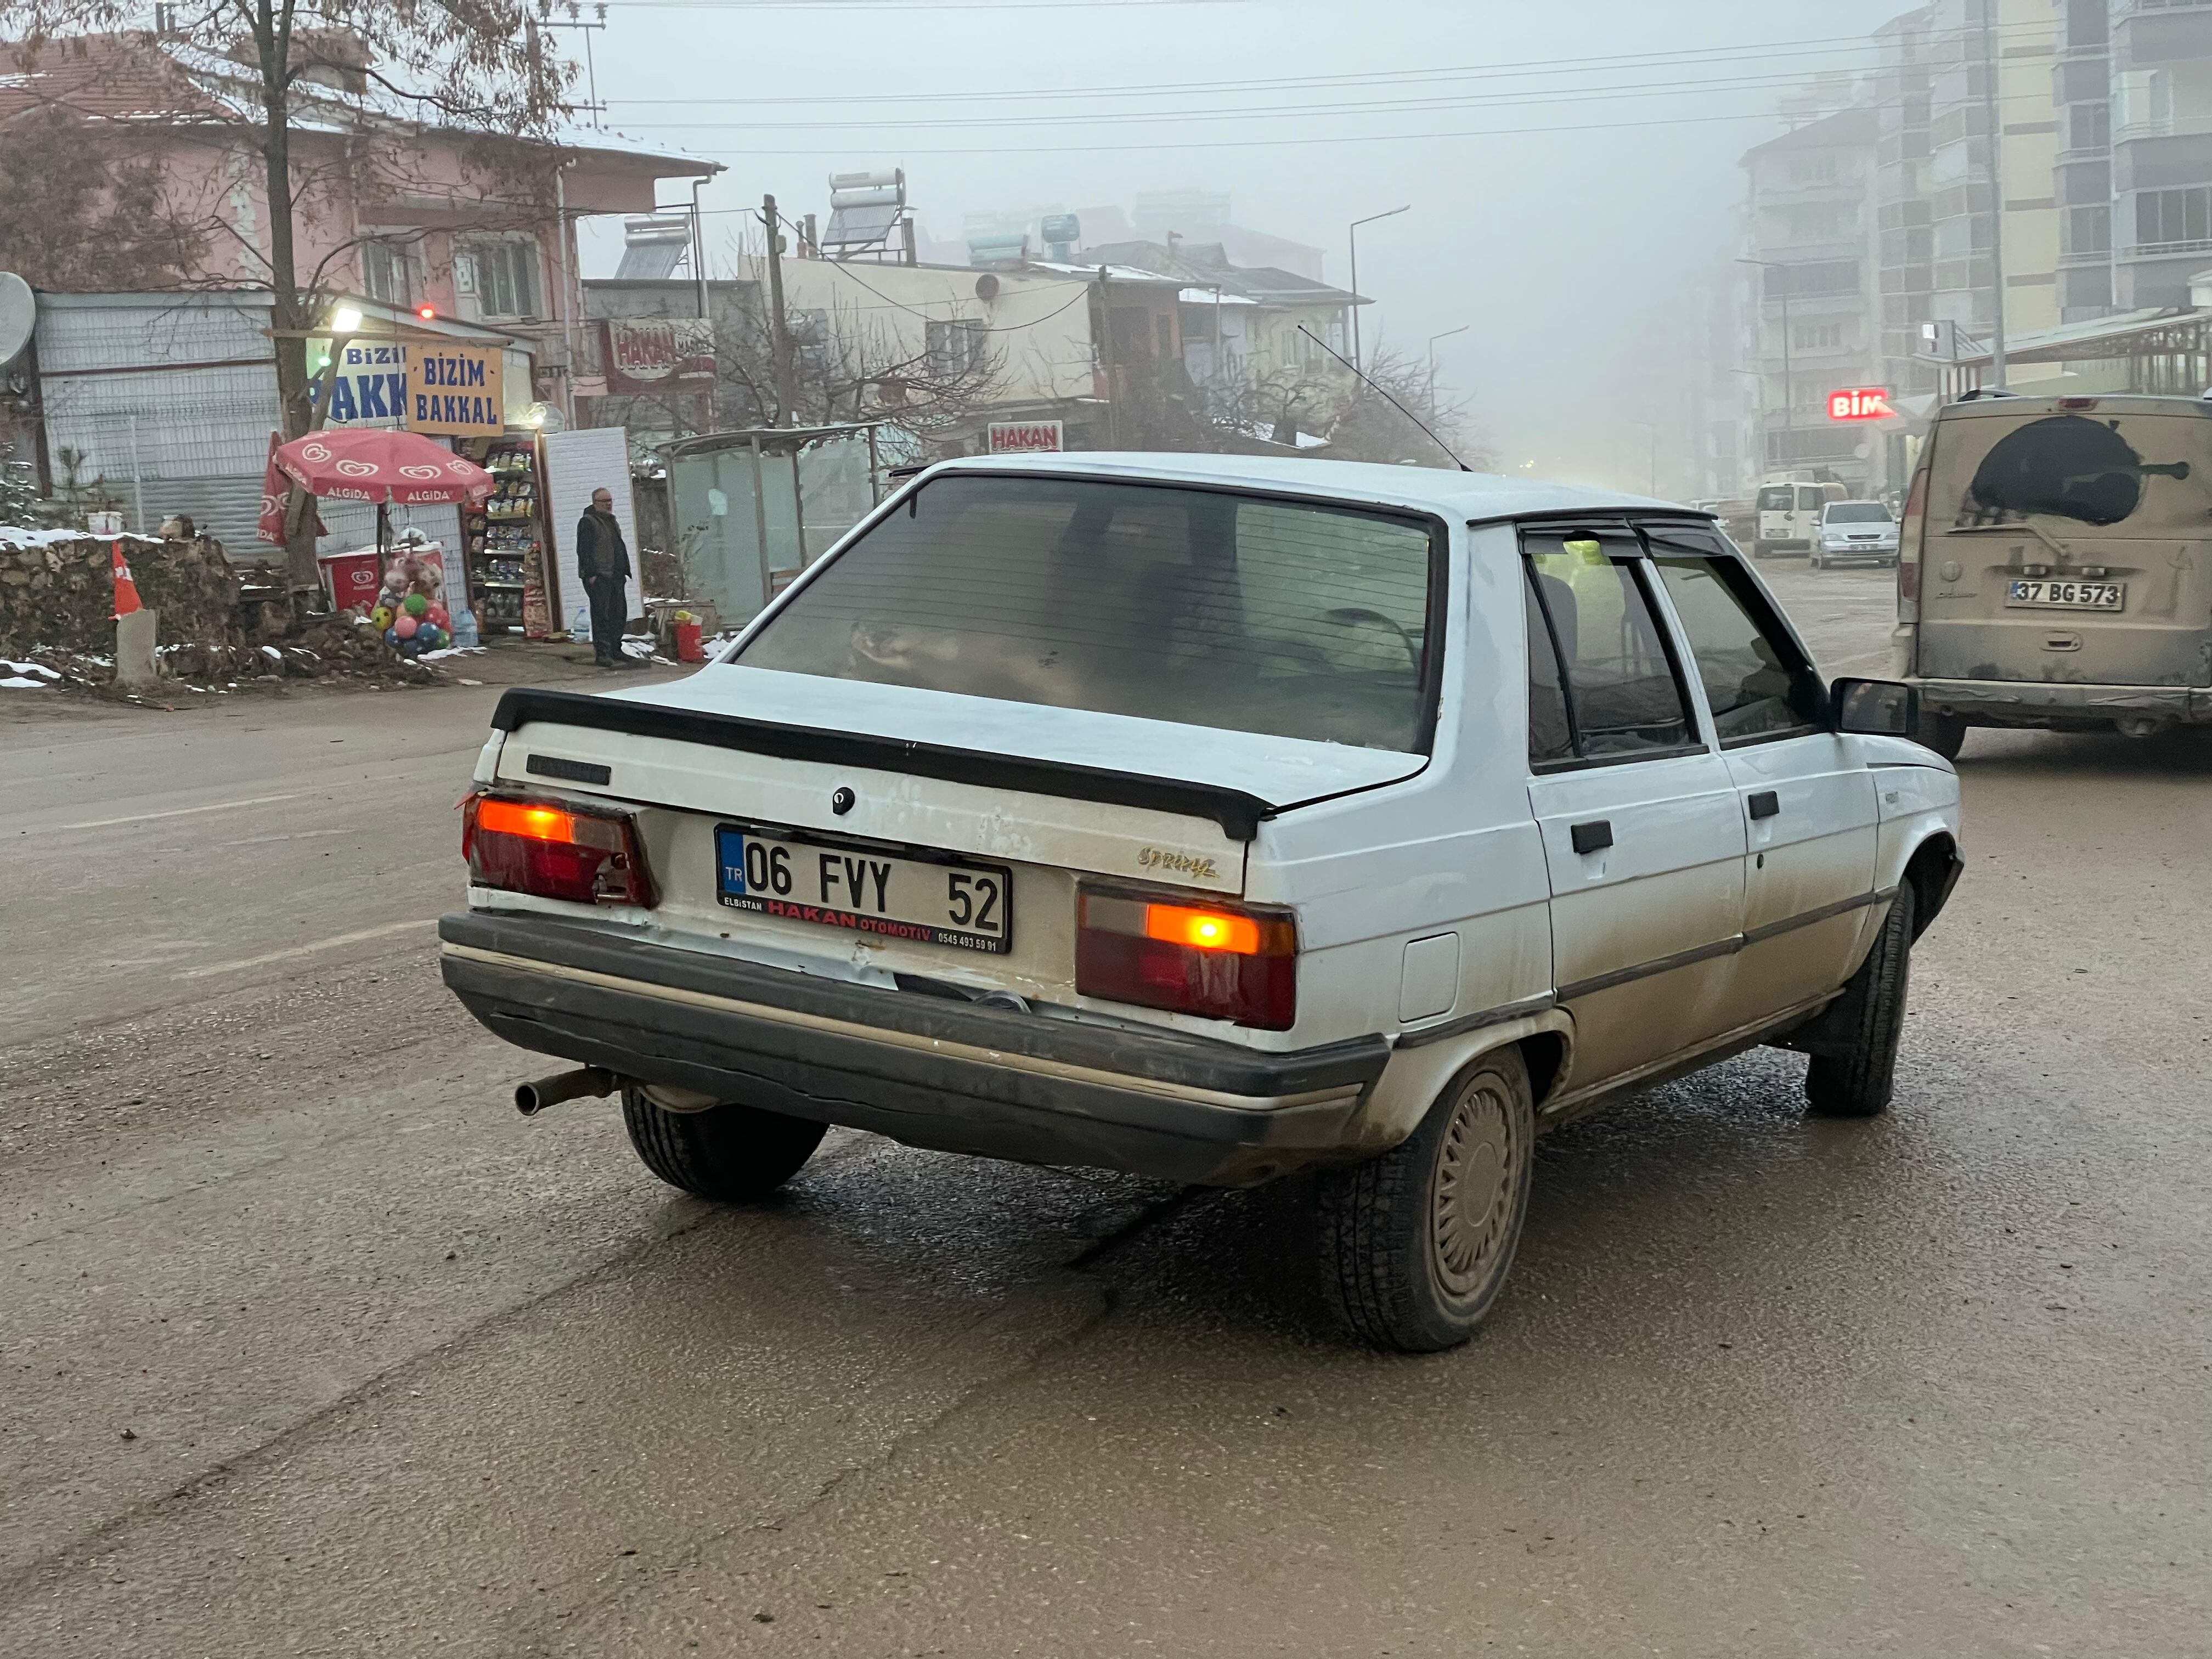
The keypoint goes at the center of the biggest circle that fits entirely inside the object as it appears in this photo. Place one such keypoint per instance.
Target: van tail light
(1222, 962)
(553, 849)
(1908, 545)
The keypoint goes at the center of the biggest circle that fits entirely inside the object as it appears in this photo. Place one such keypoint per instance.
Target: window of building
(2173, 215)
(1812, 170)
(1813, 276)
(1820, 222)
(2085, 230)
(953, 347)
(1817, 336)
(2089, 126)
(506, 277)
(387, 271)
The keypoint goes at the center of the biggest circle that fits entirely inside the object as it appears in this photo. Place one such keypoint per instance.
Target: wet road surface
(311, 1345)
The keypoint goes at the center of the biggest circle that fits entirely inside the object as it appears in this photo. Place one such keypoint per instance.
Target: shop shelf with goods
(506, 541)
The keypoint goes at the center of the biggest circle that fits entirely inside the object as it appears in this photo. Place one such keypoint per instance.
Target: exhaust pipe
(531, 1098)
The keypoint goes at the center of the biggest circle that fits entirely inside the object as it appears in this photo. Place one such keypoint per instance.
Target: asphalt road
(310, 1345)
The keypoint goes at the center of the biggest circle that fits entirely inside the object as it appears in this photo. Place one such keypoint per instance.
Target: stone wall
(61, 594)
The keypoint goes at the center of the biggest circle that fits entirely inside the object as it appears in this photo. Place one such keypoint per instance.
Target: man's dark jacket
(601, 554)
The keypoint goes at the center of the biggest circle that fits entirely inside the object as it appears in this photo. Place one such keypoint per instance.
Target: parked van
(1789, 517)
(2056, 567)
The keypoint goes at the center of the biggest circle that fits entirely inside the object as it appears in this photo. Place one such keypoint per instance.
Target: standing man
(603, 562)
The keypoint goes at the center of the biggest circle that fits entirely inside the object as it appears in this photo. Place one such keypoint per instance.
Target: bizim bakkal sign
(453, 391)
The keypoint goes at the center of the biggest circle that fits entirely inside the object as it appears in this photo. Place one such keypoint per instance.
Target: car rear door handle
(1592, 837)
(1764, 804)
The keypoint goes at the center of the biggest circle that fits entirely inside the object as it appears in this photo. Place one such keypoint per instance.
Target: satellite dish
(19, 315)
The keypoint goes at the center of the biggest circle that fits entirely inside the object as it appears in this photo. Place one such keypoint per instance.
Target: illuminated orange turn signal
(1202, 930)
(584, 856)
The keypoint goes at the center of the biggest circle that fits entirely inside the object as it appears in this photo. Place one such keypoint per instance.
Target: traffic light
(427, 313)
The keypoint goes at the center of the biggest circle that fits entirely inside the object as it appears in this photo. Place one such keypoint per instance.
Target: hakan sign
(1860, 403)
(645, 357)
(1026, 437)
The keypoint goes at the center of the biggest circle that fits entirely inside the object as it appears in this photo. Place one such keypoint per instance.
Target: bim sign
(1860, 403)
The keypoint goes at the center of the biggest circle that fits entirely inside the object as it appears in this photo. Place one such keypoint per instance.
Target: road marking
(177, 813)
(331, 943)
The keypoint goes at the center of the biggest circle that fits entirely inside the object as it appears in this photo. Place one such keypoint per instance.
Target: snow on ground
(18, 536)
(25, 675)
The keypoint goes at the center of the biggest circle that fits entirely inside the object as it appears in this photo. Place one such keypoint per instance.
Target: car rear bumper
(2037, 703)
(920, 1068)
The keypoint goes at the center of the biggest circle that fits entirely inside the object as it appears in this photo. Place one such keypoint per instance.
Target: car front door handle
(1592, 837)
(1764, 804)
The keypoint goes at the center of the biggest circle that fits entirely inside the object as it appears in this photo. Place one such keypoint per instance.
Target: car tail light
(1222, 961)
(553, 849)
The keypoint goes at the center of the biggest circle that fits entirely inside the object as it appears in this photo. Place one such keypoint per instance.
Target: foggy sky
(1563, 249)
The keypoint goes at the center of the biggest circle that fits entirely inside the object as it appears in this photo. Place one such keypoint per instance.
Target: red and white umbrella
(381, 466)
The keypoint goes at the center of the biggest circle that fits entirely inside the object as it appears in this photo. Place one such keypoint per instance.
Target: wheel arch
(1932, 872)
(1417, 1074)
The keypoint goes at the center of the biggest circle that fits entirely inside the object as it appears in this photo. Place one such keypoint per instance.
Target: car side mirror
(1880, 709)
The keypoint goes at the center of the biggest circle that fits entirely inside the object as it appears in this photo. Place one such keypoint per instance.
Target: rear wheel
(1856, 1079)
(1945, 733)
(726, 1153)
(1415, 1244)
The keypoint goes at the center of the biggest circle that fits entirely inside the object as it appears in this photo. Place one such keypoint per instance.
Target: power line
(1679, 58)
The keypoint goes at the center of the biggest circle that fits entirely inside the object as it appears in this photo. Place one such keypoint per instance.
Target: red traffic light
(427, 313)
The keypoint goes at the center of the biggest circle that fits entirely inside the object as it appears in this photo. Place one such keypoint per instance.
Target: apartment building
(2161, 148)
(1810, 259)
(1905, 252)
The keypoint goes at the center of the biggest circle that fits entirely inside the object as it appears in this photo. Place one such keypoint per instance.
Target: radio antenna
(1387, 398)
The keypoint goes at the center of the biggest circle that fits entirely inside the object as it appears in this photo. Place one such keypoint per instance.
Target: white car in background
(1214, 818)
(1856, 532)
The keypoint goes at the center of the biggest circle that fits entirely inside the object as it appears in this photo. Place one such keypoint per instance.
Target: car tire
(1945, 733)
(1415, 1244)
(727, 1154)
(1856, 1079)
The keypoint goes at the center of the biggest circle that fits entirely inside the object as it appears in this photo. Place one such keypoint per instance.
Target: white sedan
(1212, 818)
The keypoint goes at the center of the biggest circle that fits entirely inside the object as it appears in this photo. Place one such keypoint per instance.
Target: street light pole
(1433, 338)
(1352, 234)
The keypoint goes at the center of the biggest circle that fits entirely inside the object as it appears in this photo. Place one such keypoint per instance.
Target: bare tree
(328, 102)
(1246, 407)
(78, 213)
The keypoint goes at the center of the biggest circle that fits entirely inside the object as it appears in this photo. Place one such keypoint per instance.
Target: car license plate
(2066, 596)
(931, 901)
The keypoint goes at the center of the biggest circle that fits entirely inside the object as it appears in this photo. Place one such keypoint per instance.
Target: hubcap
(1472, 1201)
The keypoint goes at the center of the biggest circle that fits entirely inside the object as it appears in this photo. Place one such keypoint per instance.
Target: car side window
(1623, 696)
(1758, 682)
(1551, 737)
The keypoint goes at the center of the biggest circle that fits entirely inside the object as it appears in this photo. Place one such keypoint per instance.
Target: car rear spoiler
(1238, 814)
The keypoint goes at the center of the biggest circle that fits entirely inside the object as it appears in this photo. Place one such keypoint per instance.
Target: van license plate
(968, 906)
(2067, 596)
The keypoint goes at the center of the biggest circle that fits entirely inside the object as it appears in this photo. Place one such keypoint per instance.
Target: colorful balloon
(381, 615)
(414, 604)
(405, 626)
(431, 634)
(437, 613)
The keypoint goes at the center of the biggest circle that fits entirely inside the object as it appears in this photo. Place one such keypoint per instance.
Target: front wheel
(1856, 1077)
(1415, 1244)
(727, 1154)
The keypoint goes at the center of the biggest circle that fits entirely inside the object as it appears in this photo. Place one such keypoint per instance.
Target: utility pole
(780, 338)
(1994, 121)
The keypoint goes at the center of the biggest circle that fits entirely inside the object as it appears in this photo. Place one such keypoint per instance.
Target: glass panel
(1623, 689)
(1549, 737)
(1755, 679)
(1204, 608)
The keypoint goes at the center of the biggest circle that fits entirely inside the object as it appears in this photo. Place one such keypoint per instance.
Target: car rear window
(2133, 475)
(1857, 512)
(1776, 498)
(1210, 608)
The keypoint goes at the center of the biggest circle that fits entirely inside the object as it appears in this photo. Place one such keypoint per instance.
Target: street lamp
(1652, 427)
(1788, 381)
(345, 320)
(1433, 338)
(1353, 234)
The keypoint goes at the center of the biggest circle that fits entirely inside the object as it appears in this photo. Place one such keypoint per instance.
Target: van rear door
(2070, 543)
